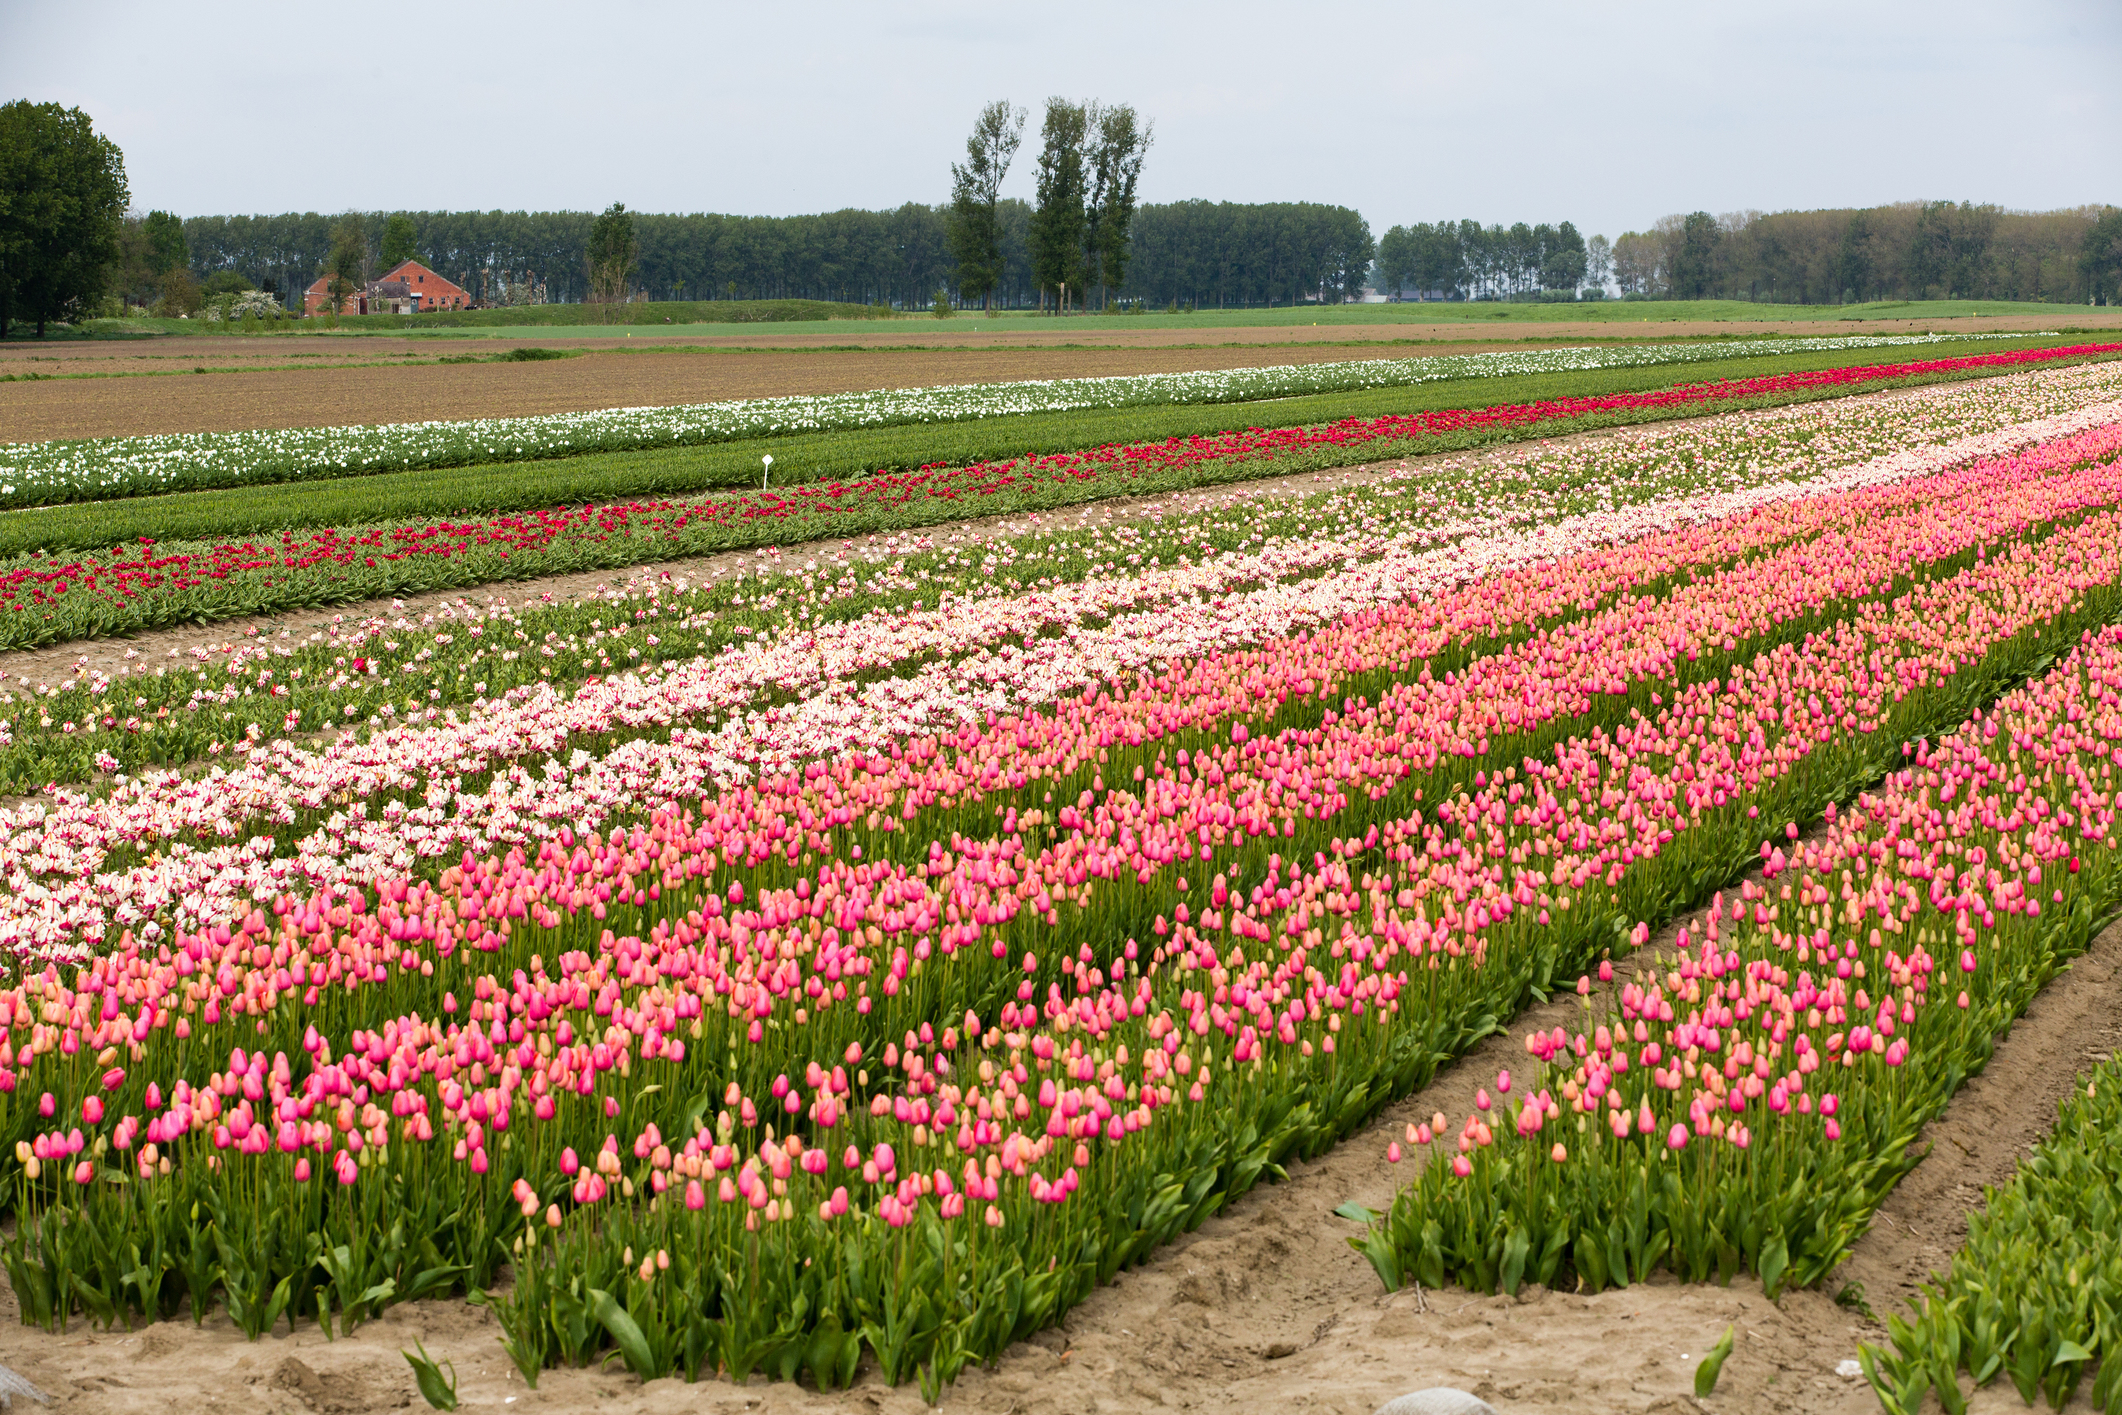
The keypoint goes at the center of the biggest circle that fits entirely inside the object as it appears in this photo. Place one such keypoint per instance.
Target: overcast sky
(1539, 110)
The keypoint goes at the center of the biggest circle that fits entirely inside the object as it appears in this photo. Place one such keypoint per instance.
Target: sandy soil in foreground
(1264, 1308)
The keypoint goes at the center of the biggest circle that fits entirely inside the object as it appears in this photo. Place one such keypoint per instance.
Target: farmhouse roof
(398, 271)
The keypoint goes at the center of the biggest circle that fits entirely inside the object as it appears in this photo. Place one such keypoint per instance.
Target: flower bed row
(38, 474)
(384, 804)
(1748, 1103)
(145, 586)
(372, 671)
(474, 1052)
(2034, 1292)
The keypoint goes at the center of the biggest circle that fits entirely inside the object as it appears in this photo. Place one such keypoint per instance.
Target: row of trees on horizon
(1198, 253)
(1193, 252)
(70, 247)
(1909, 250)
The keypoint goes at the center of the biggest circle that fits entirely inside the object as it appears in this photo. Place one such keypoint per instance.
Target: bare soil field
(953, 333)
(227, 399)
(162, 353)
(1264, 1308)
(314, 380)
(107, 358)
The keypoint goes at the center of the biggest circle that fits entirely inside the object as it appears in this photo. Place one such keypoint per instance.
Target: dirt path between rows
(1264, 1308)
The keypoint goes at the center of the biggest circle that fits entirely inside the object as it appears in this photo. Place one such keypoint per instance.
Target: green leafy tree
(181, 295)
(1638, 262)
(1116, 141)
(1563, 259)
(1396, 259)
(63, 196)
(1348, 251)
(975, 198)
(132, 279)
(1853, 273)
(2100, 258)
(401, 242)
(346, 270)
(1694, 257)
(165, 242)
(611, 255)
(1057, 225)
(1424, 257)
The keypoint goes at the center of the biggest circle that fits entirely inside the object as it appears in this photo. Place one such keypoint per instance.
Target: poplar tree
(165, 242)
(401, 242)
(2101, 259)
(347, 269)
(1057, 225)
(611, 255)
(1117, 141)
(976, 193)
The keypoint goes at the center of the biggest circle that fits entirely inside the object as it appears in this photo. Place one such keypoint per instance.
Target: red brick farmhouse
(406, 289)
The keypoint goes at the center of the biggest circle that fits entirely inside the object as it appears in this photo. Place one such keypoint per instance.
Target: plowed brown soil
(322, 379)
(227, 400)
(1512, 326)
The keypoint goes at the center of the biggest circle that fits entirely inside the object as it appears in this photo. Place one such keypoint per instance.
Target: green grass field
(709, 319)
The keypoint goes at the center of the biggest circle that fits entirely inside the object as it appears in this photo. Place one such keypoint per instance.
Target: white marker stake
(768, 459)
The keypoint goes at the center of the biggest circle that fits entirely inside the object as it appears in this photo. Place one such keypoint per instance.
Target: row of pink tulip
(500, 1027)
(65, 900)
(1752, 1099)
(867, 929)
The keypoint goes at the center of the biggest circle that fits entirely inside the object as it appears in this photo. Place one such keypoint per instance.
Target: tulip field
(854, 960)
(38, 474)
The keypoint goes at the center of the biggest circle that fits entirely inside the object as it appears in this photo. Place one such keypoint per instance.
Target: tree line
(1907, 251)
(1206, 253)
(70, 247)
(1466, 260)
